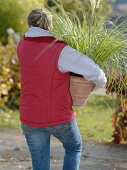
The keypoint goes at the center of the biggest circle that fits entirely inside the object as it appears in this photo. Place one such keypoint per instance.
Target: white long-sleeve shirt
(71, 60)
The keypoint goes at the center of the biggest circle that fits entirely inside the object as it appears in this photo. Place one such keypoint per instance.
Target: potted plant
(90, 35)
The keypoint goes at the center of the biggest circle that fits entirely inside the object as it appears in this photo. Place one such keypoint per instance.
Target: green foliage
(10, 119)
(90, 36)
(9, 75)
(76, 5)
(70, 5)
(13, 14)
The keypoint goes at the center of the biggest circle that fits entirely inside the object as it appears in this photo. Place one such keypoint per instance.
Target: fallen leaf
(85, 156)
(14, 163)
(54, 161)
(25, 159)
(20, 166)
(11, 158)
(29, 167)
(8, 149)
(17, 148)
(3, 160)
(98, 147)
(8, 155)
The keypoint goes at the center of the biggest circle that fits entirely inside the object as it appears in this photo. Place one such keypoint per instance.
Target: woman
(45, 101)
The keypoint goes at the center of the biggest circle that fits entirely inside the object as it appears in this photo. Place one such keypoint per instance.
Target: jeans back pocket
(63, 129)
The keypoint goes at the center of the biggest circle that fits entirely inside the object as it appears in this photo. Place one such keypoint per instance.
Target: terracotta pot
(80, 90)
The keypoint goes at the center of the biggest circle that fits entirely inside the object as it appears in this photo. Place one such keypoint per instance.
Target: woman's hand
(95, 88)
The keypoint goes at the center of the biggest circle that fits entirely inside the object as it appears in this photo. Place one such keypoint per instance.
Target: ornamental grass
(83, 30)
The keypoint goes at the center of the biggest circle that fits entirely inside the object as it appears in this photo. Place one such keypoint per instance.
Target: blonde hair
(40, 18)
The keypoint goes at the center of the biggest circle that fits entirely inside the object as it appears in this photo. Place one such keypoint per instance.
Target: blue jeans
(38, 141)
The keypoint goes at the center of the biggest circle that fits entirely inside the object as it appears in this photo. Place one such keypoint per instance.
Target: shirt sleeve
(70, 60)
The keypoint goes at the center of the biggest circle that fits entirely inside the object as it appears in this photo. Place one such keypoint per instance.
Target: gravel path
(14, 154)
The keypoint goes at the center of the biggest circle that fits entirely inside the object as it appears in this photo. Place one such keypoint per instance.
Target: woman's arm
(71, 60)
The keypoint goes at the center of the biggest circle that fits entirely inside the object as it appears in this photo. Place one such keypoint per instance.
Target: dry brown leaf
(29, 167)
(14, 163)
(54, 161)
(25, 159)
(17, 148)
(98, 147)
(8, 155)
(3, 160)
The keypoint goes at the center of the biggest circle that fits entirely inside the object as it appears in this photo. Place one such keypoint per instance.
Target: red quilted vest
(44, 97)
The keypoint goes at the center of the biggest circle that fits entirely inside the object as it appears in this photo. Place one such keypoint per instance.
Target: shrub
(9, 75)
(13, 14)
